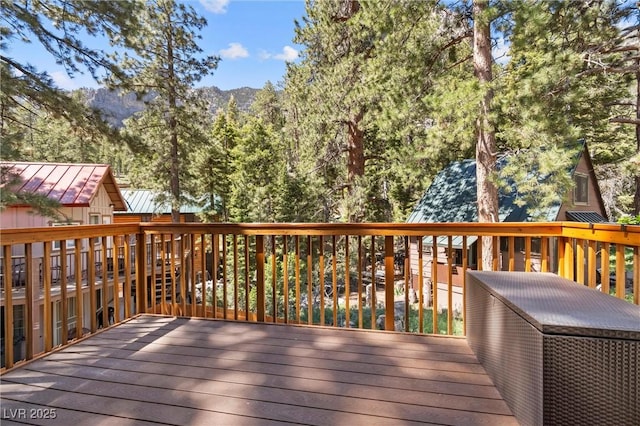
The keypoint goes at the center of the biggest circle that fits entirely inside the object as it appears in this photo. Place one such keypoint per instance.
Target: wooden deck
(180, 371)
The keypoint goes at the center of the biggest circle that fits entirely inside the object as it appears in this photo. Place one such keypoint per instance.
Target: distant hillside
(117, 108)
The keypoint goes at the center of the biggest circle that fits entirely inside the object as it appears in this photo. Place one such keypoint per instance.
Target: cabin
(87, 194)
(452, 197)
(144, 205)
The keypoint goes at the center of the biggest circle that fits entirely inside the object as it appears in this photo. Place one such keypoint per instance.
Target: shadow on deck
(167, 370)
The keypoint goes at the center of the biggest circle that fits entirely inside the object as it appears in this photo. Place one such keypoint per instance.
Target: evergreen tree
(56, 25)
(552, 90)
(350, 102)
(267, 107)
(166, 63)
(257, 163)
(556, 89)
(212, 164)
(335, 105)
(290, 200)
(29, 95)
(486, 147)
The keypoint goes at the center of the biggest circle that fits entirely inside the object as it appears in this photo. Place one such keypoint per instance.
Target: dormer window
(581, 191)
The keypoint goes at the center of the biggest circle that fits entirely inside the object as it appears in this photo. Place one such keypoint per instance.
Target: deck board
(166, 370)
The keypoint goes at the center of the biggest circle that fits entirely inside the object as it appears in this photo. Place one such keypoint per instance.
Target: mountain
(117, 108)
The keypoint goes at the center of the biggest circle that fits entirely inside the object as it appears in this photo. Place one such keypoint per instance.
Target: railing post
(434, 285)
(260, 278)
(495, 256)
(591, 264)
(569, 258)
(274, 280)
(91, 280)
(105, 285)
(246, 276)
(153, 277)
(126, 288)
(465, 265)
(47, 311)
(579, 262)
(512, 252)
(604, 267)
(141, 273)
(561, 256)
(225, 296)
(321, 276)
(215, 255)
(527, 254)
(544, 254)
(8, 309)
(636, 275)
(115, 253)
(28, 302)
(77, 259)
(450, 286)
(62, 280)
(620, 272)
(420, 285)
(389, 302)
(334, 281)
(309, 279)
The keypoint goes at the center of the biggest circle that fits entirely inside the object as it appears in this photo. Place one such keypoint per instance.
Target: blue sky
(254, 39)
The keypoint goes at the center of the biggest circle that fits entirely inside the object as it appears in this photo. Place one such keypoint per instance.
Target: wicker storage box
(558, 352)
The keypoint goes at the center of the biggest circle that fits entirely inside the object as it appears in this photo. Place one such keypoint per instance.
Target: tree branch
(625, 120)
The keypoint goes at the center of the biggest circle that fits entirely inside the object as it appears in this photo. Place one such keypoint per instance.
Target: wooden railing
(404, 277)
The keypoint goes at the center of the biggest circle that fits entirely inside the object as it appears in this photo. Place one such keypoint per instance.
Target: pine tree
(29, 95)
(57, 26)
(166, 63)
(212, 164)
(486, 148)
(561, 85)
(267, 106)
(349, 100)
(332, 65)
(257, 164)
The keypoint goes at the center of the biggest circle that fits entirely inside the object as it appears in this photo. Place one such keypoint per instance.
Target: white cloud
(215, 6)
(264, 55)
(288, 54)
(63, 81)
(235, 51)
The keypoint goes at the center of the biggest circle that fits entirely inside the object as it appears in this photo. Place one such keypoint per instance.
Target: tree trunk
(636, 198)
(487, 192)
(355, 161)
(174, 170)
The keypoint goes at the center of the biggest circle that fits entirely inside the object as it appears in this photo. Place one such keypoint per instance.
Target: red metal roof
(72, 185)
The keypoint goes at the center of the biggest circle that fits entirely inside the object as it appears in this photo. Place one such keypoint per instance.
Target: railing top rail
(379, 228)
(57, 233)
(613, 233)
(605, 232)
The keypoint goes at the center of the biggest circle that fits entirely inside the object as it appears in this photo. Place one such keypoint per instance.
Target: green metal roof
(144, 201)
(452, 198)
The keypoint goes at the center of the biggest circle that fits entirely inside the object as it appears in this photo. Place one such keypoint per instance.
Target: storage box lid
(555, 305)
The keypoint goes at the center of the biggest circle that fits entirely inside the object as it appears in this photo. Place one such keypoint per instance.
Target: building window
(581, 191)
(70, 243)
(94, 219)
